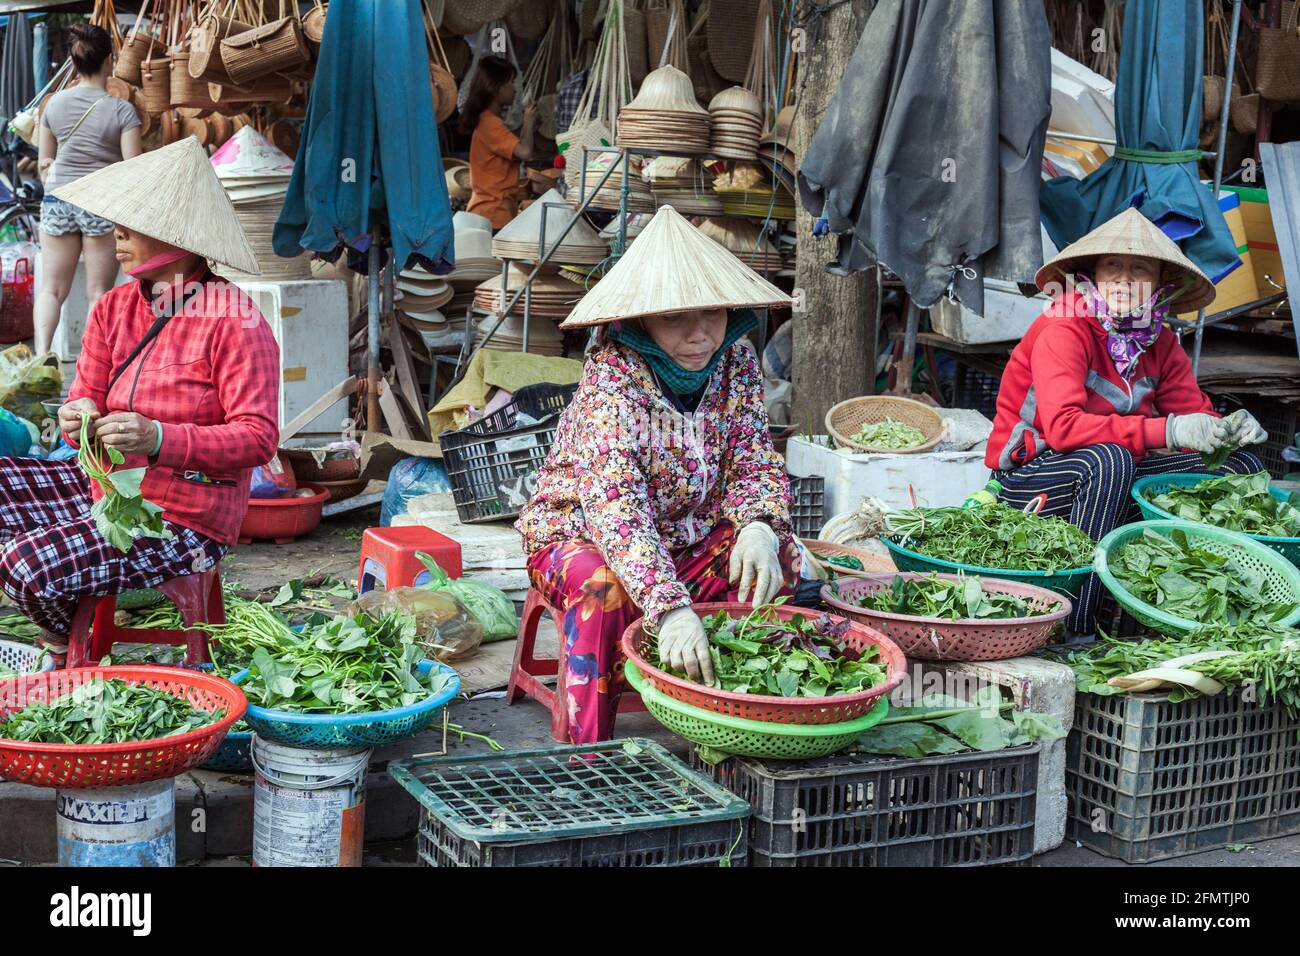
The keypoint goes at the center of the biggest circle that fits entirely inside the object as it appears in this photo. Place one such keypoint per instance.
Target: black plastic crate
(808, 505)
(1149, 779)
(976, 389)
(492, 465)
(959, 810)
(616, 803)
(1280, 420)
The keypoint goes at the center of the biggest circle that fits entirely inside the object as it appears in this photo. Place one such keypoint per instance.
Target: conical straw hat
(172, 195)
(524, 230)
(673, 267)
(1130, 233)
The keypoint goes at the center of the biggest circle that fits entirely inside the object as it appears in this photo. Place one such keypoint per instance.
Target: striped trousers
(1090, 489)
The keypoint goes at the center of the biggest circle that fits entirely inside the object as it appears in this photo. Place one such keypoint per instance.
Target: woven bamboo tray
(845, 419)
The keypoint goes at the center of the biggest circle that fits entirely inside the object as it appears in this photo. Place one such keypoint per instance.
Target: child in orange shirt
(494, 151)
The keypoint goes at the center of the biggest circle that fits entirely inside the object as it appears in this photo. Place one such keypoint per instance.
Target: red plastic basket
(283, 519)
(938, 639)
(776, 710)
(116, 765)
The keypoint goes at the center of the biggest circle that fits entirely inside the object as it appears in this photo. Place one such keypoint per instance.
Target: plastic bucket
(308, 805)
(118, 826)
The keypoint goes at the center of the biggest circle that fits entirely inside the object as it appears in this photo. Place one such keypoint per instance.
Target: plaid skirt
(52, 555)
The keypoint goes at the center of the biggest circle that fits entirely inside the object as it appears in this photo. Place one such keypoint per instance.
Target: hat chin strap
(158, 261)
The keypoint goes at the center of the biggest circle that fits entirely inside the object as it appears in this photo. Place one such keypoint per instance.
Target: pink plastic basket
(777, 710)
(938, 639)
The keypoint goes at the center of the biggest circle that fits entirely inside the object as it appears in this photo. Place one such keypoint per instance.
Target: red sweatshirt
(1060, 391)
(211, 376)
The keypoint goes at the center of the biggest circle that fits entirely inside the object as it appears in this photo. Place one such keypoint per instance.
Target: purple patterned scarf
(1128, 336)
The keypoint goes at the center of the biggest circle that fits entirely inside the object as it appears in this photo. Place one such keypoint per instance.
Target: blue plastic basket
(235, 755)
(374, 729)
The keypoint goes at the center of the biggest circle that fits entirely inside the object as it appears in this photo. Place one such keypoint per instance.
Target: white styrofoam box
(940, 479)
(309, 318)
(1044, 687)
(1082, 100)
(1007, 314)
(76, 310)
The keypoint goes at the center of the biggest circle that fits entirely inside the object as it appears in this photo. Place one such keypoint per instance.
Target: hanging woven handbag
(274, 47)
(138, 46)
(213, 26)
(1277, 71)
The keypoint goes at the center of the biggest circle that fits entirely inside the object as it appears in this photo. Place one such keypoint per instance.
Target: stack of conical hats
(680, 182)
(665, 115)
(543, 336)
(673, 267)
(609, 194)
(255, 174)
(737, 123)
(552, 296)
(474, 261)
(636, 221)
(519, 239)
(745, 240)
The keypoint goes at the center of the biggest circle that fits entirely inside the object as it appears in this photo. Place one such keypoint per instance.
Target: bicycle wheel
(25, 226)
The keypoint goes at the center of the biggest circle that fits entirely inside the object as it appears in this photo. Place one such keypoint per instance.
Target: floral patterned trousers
(572, 576)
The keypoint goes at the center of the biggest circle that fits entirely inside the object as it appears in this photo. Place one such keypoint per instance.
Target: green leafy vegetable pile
(17, 626)
(933, 596)
(761, 654)
(1235, 502)
(947, 725)
(341, 665)
(1169, 572)
(847, 561)
(106, 712)
(888, 433)
(996, 536)
(1264, 656)
(122, 514)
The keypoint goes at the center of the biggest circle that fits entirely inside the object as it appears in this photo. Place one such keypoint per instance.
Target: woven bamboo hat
(1131, 233)
(673, 267)
(173, 195)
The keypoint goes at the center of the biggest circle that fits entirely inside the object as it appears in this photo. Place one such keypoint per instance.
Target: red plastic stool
(528, 669)
(388, 557)
(196, 596)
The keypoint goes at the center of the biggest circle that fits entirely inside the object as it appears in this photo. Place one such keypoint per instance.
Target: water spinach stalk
(122, 514)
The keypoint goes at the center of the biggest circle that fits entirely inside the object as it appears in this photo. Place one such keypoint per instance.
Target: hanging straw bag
(138, 46)
(1278, 67)
(156, 83)
(205, 61)
(275, 47)
(313, 25)
(441, 80)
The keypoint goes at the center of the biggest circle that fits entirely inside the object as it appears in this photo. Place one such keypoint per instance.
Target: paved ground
(224, 801)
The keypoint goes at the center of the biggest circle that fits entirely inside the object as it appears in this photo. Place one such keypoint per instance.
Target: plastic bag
(16, 436)
(489, 604)
(273, 480)
(26, 380)
(410, 478)
(444, 627)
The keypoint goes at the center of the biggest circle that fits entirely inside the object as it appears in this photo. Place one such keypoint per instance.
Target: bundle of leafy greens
(1171, 573)
(888, 433)
(996, 536)
(340, 665)
(1263, 656)
(122, 514)
(846, 561)
(106, 712)
(18, 626)
(932, 596)
(1235, 502)
(761, 654)
(946, 725)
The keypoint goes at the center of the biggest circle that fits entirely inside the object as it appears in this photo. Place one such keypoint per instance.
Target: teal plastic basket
(1068, 582)
(1143, 488)
(1281, 579)
(331, 731)
(235, 755)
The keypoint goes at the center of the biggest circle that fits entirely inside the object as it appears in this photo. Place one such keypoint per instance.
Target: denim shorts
(59, 218)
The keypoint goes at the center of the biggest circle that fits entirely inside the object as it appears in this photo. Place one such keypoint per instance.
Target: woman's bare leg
(59, 255)
(101, 265)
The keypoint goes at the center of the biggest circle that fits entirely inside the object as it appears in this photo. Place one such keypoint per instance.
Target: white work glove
(756, 564)
(683, 645)
(1243, 430)
(1199, 432)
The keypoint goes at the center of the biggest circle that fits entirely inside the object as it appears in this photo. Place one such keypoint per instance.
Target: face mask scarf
(1128, 336)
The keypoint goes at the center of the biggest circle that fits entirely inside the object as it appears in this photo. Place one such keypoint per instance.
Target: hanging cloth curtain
(1157, 125)
(369, 140)
(17, 82)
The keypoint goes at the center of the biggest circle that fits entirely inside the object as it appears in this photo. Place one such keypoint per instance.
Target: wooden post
(834, 318)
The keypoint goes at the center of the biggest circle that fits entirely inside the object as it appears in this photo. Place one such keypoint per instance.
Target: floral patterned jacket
(638, 479)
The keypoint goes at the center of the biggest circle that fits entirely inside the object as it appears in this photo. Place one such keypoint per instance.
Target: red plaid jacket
(210, 376)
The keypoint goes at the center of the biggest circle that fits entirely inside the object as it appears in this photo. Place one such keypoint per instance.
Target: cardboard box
(1238, 287)
(1261, 238)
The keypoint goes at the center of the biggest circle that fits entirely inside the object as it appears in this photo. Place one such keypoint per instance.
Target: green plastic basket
(1068, 582)
(750, 738)
(1289, 548)
(1282, 580)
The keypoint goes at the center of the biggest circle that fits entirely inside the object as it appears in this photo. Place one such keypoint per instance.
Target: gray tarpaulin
(928, 158)
(17, 83)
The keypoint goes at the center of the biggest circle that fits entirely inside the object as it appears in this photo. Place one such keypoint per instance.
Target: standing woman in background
(83, 129)
(494, 152)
